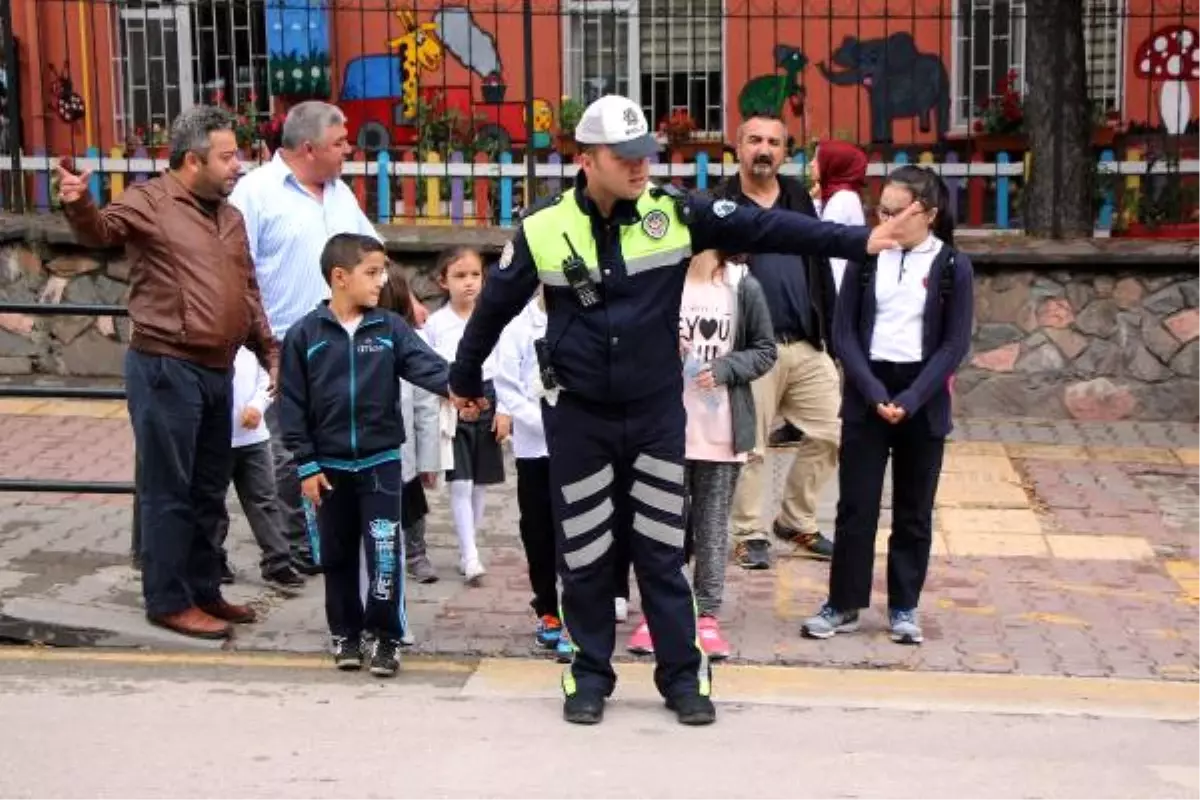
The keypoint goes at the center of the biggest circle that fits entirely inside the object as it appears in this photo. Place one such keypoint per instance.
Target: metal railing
(63, 393)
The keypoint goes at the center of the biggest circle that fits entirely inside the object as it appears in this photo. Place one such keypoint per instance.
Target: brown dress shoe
(191, 622)
(229, 612)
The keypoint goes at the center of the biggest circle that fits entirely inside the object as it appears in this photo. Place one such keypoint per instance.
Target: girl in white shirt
(478, 461)
(519, 388)
(901, 328)
(840, 171)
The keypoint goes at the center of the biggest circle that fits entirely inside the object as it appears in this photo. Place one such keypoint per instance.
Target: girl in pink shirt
(726, 341)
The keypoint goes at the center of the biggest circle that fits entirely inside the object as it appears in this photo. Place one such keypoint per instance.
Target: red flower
(978, 126)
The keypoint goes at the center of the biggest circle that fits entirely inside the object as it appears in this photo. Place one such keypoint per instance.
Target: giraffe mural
(418, 48)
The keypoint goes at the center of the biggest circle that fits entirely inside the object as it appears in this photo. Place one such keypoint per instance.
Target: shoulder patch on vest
(542, 205)
(506, 255)
(655, 224)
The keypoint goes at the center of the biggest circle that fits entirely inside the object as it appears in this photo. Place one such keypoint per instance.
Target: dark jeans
(537, 532)
(287, 490)
(135, 545)
(916, 466)
(363, 507)
(182, 427)
(254, 480)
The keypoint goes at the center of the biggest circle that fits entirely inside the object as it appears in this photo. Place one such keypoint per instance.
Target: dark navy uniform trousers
(617, 478)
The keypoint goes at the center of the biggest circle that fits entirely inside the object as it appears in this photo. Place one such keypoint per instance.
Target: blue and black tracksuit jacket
(340, 393)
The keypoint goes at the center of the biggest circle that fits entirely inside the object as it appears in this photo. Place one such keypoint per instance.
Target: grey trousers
(287, 491)
(254, 481)
(710, 486)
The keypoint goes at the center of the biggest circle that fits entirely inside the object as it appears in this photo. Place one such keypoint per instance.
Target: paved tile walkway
(1061, 549)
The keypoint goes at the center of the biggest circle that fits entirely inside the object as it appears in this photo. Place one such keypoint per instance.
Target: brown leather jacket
(193, 294)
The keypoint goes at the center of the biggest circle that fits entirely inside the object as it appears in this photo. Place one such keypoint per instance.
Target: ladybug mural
(65, 101)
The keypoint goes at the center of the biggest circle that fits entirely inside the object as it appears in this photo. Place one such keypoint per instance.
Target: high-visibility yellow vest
(659, 240)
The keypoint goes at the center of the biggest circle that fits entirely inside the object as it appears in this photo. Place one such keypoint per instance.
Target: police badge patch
(723, 208)
(506, 255)
(655, 224)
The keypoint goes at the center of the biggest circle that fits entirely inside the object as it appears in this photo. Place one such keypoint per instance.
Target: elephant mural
(901, 82)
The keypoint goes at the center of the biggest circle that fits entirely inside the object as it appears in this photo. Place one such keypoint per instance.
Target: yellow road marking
(1187, 575)
(924, 691)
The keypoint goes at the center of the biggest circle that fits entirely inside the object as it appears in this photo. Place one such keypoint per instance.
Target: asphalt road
(123, 724)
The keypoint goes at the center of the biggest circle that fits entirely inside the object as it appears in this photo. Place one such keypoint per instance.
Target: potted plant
(570, 111)
(154, 139)
(1166, 211)
(681, 134)
(1000, 120)
(494, 88)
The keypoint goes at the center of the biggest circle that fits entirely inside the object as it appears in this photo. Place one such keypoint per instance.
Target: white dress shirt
(288, 228)
(901, 287)
(845, 208)
(518, 381)
(444, 330)
(251, 385)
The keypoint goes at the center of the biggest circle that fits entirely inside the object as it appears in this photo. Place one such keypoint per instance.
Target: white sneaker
(621, 606)
(473, 571)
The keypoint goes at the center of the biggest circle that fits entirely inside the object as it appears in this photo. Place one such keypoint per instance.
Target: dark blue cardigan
(945, 343)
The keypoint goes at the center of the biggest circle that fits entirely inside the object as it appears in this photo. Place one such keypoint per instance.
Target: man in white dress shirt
(292, 205)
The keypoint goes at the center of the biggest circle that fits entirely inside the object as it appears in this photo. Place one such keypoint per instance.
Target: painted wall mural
(382, 93)
(901, 82)
(64, 100)
(298, 48)
(1171, 55)
(768, 94)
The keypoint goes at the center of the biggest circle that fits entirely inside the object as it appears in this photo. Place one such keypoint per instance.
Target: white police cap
(618, 123)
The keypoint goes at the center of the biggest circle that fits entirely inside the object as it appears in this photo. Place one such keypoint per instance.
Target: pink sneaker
(710, 638)
(640, 642)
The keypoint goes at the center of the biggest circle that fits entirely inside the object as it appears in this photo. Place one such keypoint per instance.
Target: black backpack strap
(947, 259)
(866, 274)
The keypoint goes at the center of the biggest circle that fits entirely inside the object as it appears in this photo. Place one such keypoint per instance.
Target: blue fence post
(383, 178)
(900, 158)
(702, 171)
(954, 186)
(506, 191)
(140, 152)
(1104, 221)
(41, 185)
(555, 183)
(801, 160)
(456, 192)
(95, 183)
(1003, 189)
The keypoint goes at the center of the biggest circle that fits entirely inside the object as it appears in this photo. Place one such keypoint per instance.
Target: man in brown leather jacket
(193, 301)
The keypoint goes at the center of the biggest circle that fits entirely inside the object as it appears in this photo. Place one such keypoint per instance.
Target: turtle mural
(767, 94)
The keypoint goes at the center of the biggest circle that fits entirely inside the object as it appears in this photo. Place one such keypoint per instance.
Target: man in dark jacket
(803, 386)
(193, 301)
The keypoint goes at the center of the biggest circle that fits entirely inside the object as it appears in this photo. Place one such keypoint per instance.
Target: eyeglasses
(885, 213)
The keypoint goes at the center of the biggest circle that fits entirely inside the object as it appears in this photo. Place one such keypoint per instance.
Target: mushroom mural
(1171, 55)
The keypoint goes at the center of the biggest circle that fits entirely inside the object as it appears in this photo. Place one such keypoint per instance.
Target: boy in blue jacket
(339, 401)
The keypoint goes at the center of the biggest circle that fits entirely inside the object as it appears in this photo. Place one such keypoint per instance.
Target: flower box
(1167, 230)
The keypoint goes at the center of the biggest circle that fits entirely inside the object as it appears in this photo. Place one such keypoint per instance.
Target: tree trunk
(1059, 196)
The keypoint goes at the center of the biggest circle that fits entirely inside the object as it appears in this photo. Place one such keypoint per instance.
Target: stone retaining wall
(1114, 339)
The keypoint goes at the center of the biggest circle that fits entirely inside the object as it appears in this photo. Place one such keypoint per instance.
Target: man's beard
(762, 169)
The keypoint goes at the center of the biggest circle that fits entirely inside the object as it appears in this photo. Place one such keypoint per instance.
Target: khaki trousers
(805, 388)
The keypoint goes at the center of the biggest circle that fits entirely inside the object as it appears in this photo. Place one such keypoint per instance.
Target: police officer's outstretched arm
(724, 225)
(509, 285)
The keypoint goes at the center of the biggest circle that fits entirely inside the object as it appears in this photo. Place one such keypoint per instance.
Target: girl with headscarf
(840, 172)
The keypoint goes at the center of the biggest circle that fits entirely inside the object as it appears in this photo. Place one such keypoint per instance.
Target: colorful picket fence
(484, 192)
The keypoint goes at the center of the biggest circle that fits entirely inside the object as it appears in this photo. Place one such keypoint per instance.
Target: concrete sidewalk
(1061, 549)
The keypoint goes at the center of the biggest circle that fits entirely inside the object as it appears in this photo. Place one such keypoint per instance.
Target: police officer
(612, 254)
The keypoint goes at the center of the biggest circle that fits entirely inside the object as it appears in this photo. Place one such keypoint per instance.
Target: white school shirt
(518, 382)
(444, 330)
(845, 208)
(901, 287)
(287, 229)
(251, 385)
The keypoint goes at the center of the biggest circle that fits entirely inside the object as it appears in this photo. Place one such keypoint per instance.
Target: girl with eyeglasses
(901, 328)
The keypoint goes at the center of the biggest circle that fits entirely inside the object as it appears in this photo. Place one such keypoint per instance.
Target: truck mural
(381, 93)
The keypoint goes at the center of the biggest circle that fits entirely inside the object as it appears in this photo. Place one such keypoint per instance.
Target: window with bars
(990, 40)
(173, 55)
(665, 54)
